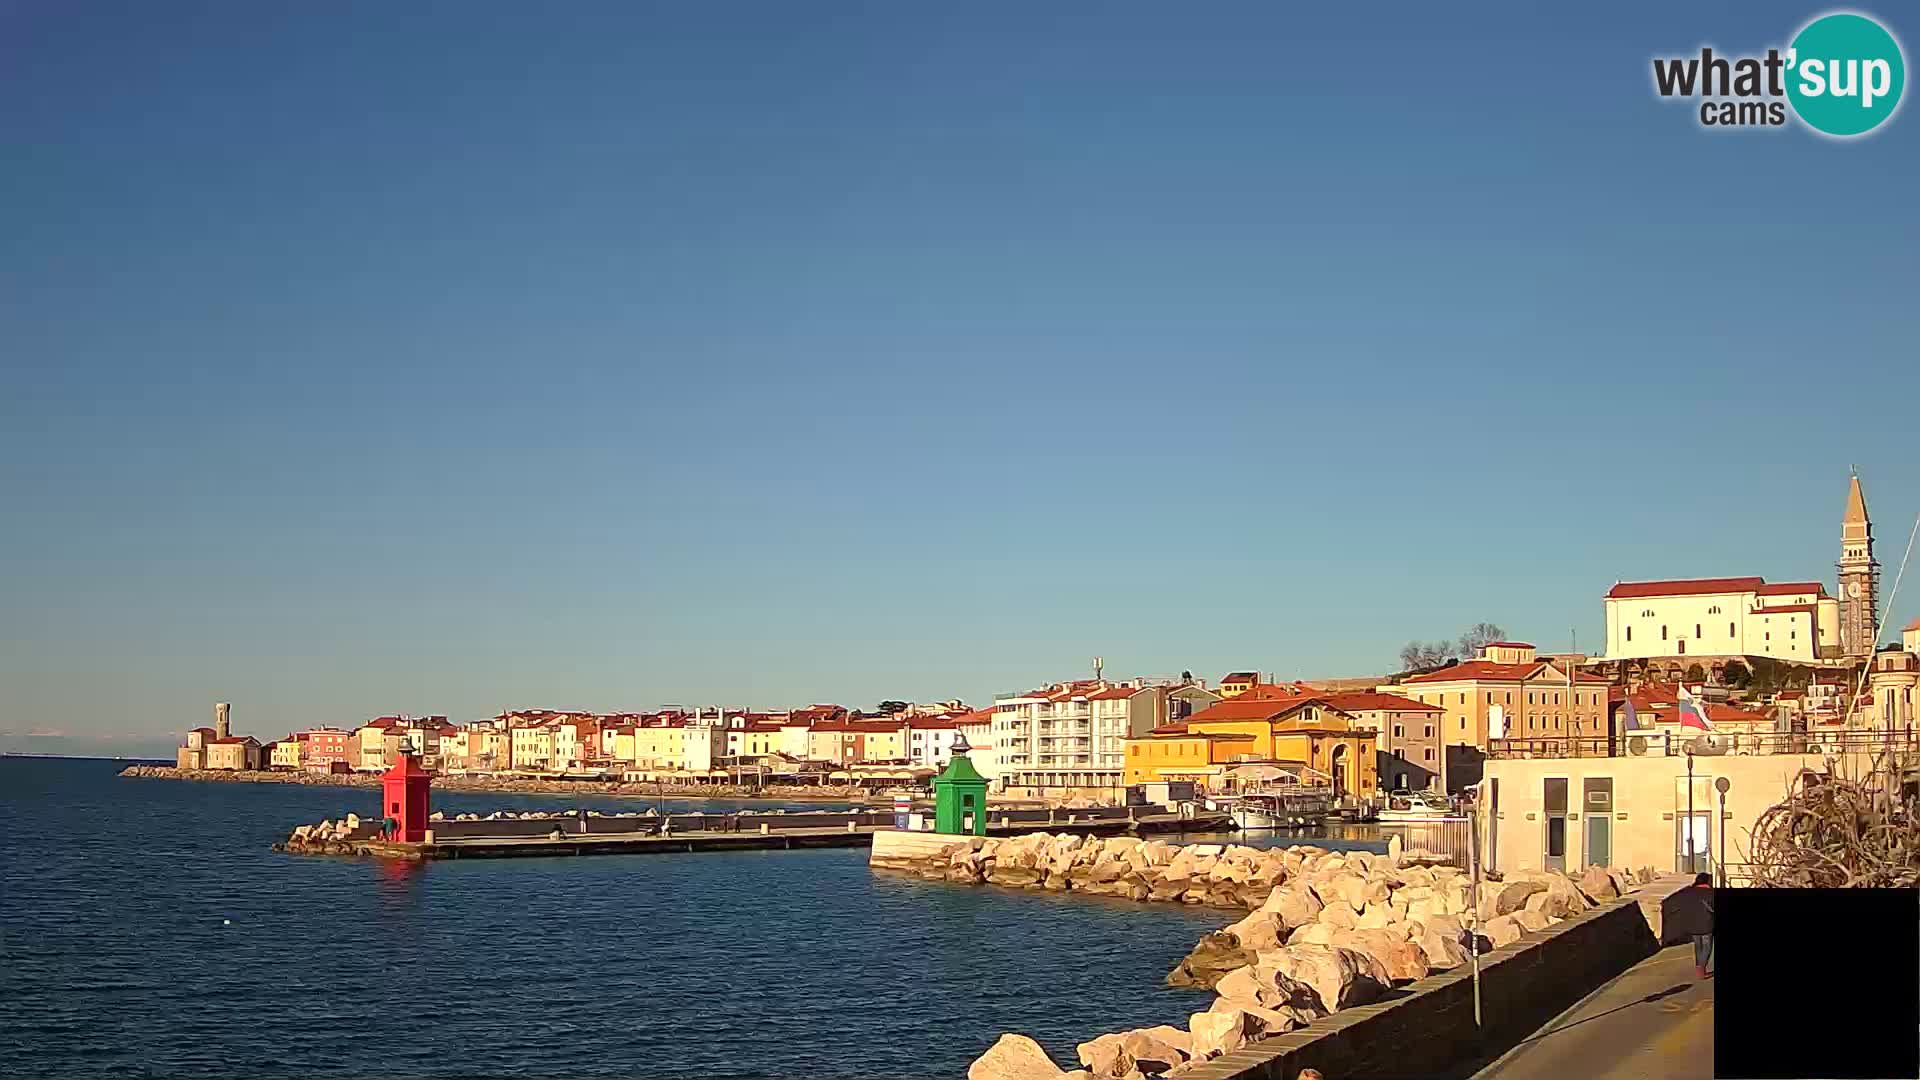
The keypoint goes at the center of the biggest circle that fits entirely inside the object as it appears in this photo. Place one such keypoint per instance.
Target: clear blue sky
(444, 357)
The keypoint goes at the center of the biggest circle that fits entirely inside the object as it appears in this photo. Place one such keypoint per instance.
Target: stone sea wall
(1325, 931)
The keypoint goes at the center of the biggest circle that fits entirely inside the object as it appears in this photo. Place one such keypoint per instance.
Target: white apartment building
(1069, 740)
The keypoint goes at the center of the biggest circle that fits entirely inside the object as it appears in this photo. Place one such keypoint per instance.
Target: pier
(589, 834)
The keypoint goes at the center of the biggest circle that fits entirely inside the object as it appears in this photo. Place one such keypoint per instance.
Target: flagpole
(1689, 829)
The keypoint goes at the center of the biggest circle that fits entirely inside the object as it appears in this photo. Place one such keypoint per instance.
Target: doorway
(1598, 806)
(1555, 800)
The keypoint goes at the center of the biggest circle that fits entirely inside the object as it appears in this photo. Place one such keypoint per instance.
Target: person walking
(1692, 914)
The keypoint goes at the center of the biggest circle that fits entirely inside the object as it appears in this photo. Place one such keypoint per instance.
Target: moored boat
(1417, 807)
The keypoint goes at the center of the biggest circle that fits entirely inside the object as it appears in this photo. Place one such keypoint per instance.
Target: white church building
(1794, 621)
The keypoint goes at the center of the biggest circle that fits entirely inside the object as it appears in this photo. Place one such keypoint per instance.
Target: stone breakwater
(635, 789)
(1326, 931)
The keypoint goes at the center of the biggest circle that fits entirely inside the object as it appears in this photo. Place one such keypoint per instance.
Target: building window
(1729, 629)
(1396, 731)
(1663, 632)
(1429, 731)
(1696, 630)
(1629, 633)
(1429, 753)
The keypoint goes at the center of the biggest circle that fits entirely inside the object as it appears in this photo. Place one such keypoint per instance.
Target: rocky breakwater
(1334, 931)
(1219, 875)
(348, 835)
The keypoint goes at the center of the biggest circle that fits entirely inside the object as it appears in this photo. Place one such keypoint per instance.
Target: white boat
(1416, 807)
(1279, 809)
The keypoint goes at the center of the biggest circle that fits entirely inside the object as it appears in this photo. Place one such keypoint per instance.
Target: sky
(365, 358)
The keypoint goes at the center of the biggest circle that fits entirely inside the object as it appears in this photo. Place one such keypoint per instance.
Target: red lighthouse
(403, 790)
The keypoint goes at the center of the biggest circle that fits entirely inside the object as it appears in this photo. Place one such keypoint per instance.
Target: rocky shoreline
(1325, 931)
(613, 789)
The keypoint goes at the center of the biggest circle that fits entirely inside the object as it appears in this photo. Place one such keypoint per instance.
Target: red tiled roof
(1114, 693)
(933, 723)
(202, 730)
(1276, 691)
(1241, 676)
(1509, 644)
(1245, 708)
(231, 739)
(1488, 671)
(977, 716)
(1685, 587)
(1728, 714)
(1177, 727)
(1364, 700)
(1912, 626)
(1792, 588)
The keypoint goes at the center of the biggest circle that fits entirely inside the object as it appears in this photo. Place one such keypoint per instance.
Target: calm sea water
(146, 930)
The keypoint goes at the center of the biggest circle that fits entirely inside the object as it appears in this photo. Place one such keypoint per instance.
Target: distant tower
(220, 711)
(1859, 576)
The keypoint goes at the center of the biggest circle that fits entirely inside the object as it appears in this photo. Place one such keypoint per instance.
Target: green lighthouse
(960, 795)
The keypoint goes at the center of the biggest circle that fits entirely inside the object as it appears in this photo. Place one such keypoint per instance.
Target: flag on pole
(1629, 720)
(1693, 712)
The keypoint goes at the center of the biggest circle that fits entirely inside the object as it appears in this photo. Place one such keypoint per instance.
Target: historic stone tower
(1859, 576)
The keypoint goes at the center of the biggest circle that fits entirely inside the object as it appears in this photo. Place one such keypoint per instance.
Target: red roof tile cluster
(1488, 671)
(1509, 644)
(1792, 588)
(1365, 701)
(1685, 587)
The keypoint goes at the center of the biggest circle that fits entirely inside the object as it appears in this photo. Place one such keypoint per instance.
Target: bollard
(763, 828)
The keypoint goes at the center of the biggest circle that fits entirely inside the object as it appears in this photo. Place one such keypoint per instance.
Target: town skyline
(151, 744)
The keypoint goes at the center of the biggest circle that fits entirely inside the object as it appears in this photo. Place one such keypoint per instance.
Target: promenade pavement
(1653, 1022)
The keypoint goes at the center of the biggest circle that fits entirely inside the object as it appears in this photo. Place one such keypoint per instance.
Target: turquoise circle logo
(1845, 74)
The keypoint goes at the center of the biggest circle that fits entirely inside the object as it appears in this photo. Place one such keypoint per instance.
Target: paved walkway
(1653, 1022)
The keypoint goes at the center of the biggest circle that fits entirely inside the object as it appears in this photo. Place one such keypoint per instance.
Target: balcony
(1834, 742)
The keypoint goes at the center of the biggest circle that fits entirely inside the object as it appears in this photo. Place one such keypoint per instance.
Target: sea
(147, 929)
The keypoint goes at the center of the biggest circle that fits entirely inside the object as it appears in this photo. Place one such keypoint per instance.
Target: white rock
(1014, 1057)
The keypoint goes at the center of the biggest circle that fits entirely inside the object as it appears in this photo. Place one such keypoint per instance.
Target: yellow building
(1172, 752)
(286, 753)
(1510, 690)
(1305, 736)
(676, 747)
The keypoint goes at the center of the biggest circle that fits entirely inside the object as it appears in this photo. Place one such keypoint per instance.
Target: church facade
(1795, 621)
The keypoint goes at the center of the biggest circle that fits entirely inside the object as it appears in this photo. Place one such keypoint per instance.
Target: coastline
(517, 786)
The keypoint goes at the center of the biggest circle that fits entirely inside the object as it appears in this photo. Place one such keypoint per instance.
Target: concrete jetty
(590, 834)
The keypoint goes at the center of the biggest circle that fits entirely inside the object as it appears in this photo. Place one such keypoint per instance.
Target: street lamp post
(1722, 784)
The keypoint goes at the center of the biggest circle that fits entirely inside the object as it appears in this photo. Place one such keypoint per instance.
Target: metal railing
(1674, 744)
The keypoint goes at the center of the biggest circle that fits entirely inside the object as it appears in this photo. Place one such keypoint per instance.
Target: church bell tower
(1859, 576)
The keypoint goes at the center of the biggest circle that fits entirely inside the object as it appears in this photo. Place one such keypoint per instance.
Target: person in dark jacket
(1690, 912)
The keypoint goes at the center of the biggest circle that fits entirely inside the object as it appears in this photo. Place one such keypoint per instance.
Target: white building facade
(1741, 616)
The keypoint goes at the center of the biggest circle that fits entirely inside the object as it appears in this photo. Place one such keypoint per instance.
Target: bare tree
(1419, 655)
(1479, 636)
